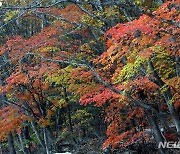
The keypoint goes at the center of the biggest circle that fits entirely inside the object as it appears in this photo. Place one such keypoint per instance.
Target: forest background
(89, 76)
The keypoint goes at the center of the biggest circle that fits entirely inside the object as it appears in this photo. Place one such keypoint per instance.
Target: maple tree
(145, 53)
(109, 54)
(140, 59)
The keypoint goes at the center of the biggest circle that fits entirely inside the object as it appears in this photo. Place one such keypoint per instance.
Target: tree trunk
(69, 115)
(26, 135)
(177, 65)
(11, 147)
(69, 111)
(167, 96)
(174, 116)
(22, 144)
(38, 136)
(46, 141)
(157, 132)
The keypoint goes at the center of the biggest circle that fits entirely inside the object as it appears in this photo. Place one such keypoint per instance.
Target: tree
(59, 59)
(141, 59)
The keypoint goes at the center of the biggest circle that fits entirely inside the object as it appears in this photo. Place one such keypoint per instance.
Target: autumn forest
(89, 76)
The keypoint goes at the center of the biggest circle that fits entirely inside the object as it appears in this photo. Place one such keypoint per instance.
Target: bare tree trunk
(69, 114)
(167, 96)
(11, 147)
(51, 139)
(33, 124)
(46, 141)
(69, 111)
(177, 65)
(22, 144)
(26, 135)
(1, 151)
(38, 136)
(174, 116)
(157, 132)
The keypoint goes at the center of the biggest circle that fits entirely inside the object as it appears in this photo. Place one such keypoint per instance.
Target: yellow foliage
(81, 117)
(9, 15)
(130, 69)
(62, 77)
(48, 49)
(91, 21)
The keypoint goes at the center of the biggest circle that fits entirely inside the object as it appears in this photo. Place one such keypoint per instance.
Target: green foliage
(82, 118)
(66, 136)
(4, 145)
(131, 69)
(91, 21)
(33, 139)
(164, 63)
(10, 15)
(60, 78)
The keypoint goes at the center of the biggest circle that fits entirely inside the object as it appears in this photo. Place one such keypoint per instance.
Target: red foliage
(99, 95)
(11, 120)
